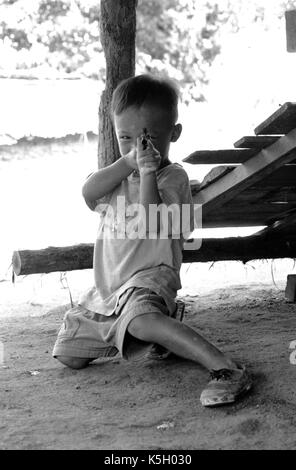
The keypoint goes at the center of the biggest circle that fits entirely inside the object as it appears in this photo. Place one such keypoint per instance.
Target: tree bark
(53, 259)
(118, 35)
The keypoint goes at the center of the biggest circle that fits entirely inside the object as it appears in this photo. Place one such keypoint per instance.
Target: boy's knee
(142, 326)
(74, 362)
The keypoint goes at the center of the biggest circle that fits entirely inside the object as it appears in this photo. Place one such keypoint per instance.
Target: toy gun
(145, 139)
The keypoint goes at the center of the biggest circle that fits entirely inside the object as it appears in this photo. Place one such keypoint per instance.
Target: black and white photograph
(148, 227)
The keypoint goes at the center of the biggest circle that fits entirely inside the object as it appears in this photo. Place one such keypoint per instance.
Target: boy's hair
(146, 89)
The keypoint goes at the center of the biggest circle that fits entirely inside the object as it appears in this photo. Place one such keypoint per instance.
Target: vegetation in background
(50, 38)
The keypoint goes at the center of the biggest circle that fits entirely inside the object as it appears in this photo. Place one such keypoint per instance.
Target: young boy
(136, 264)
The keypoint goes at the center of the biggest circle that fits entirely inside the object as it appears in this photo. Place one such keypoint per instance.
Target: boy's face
(130, 123)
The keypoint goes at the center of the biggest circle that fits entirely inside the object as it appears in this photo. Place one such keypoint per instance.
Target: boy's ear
(176, 132)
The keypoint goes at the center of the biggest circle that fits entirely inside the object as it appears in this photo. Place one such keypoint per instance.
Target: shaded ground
(118, 405)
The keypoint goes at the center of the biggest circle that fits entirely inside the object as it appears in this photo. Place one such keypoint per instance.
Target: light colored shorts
(88, 334)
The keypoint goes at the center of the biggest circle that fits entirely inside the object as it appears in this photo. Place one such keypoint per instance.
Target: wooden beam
(257, 195)
(246, 215)
(280, 122)
(284, 176)
(290, 16)
(215, 174)
(212, 157)
(260, 204)
(256, 141)
(255, 169)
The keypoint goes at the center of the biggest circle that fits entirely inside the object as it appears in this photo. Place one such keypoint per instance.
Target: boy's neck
(164, 163)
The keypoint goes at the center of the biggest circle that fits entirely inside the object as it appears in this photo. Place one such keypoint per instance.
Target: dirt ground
(114, 404)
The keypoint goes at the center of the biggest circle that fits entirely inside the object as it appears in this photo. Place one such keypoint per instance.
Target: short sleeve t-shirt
(125, 257)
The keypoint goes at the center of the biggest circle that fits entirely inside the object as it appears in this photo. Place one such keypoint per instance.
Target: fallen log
(77, 257)
(241, 249)
(51, 259)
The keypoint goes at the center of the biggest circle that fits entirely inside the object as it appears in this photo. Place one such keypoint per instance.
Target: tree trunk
(118, 35)
(53, 259)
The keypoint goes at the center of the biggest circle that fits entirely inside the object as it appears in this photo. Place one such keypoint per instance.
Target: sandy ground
(114, 404)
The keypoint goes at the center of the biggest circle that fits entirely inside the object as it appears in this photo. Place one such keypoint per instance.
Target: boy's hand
(149, 159)
(131, 159)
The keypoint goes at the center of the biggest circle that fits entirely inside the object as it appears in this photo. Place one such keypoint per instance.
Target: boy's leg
(179, 339)
(228, 379)
(74, 362)
(158, 352)
(80, 339)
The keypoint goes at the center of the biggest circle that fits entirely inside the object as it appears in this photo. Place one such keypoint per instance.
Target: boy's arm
(149, 194)
(105, 180)
(173, 192)
(148, 159)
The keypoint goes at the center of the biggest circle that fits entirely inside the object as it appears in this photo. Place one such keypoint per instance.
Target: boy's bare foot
(225, 386)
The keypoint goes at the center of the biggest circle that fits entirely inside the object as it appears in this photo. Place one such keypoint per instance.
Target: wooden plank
(215, 174)
(256, 195)
(213, 157)
(282, 177)
(280, 122)
(254, 206)
(254, 170)
(285, 195)
(290, 16)
(279, 190)
(256, 141)
(235, 219)
(245, 215)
